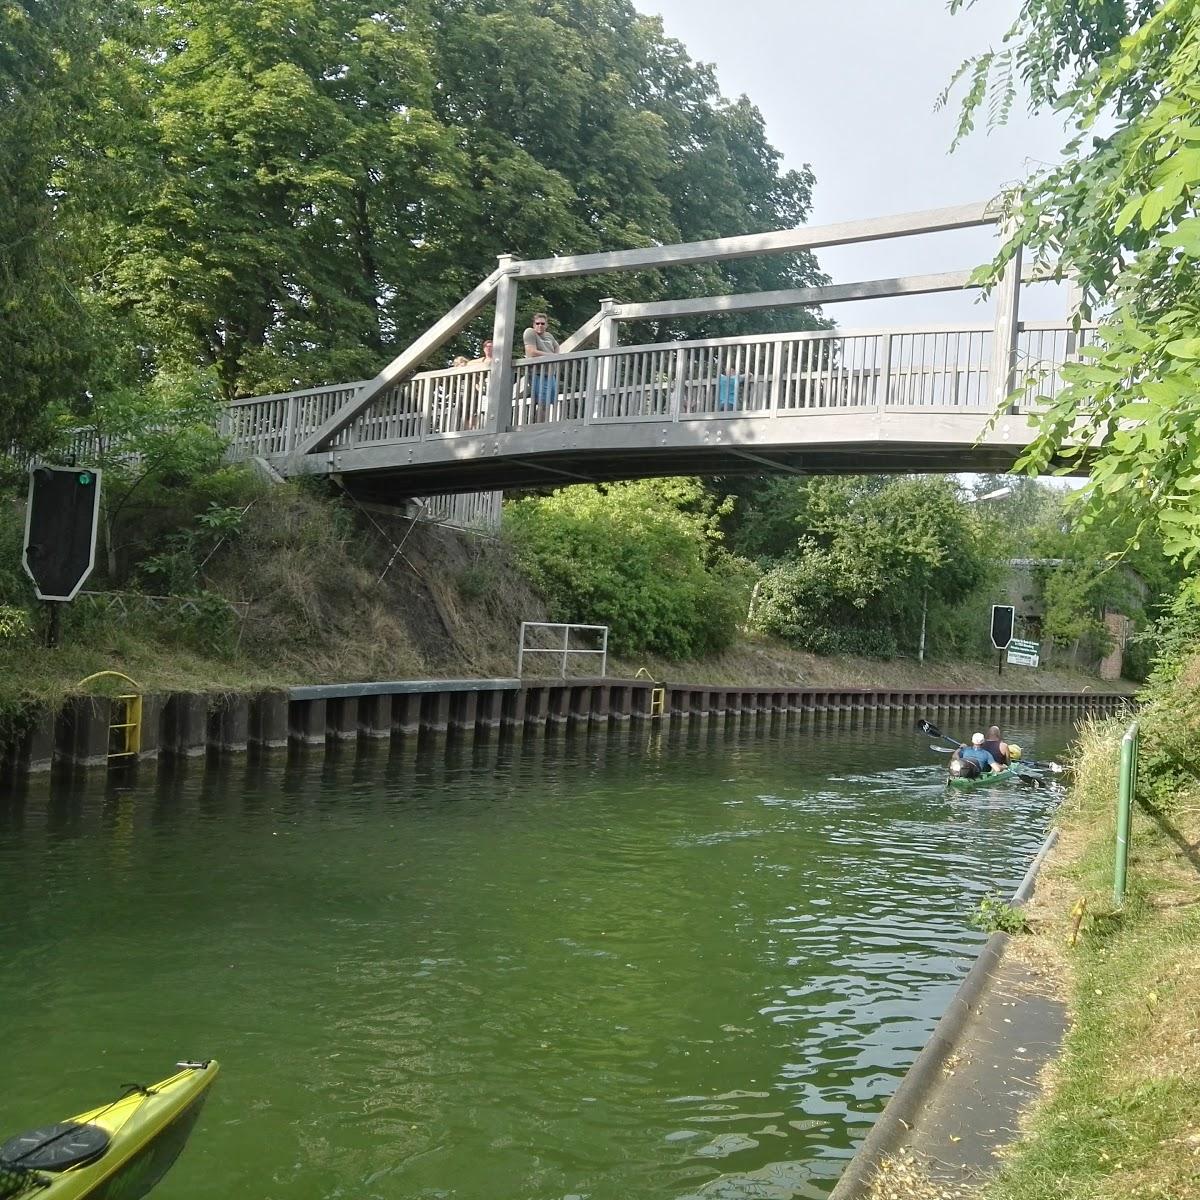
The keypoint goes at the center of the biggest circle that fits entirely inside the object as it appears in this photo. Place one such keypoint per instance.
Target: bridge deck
(912, 399)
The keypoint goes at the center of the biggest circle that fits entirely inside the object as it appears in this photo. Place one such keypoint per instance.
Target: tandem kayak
(122, 1148)
(1012, 771)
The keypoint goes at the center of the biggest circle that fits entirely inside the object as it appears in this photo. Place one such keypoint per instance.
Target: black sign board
(1003, 619)
(60, 529)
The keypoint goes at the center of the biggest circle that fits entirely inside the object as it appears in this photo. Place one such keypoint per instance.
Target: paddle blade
(927, 729)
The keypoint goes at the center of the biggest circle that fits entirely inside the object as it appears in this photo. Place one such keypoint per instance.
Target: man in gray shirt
(543, 381)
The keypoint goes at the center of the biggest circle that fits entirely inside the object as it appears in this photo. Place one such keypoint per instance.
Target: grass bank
(231, 585)
(1121, 1115)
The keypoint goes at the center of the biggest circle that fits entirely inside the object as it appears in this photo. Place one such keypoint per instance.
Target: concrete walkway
(992, 1078)
(962, 1100)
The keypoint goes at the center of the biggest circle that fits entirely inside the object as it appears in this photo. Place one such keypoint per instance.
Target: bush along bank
(1121, 1116)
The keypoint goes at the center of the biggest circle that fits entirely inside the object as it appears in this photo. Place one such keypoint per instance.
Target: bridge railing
(783, 374)
(431, 404)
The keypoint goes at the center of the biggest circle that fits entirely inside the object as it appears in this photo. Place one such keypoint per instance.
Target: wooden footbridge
(831, 401)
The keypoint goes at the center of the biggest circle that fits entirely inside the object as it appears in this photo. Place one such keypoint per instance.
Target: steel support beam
(784, 241)
(606, 338)
(1002, 374)
(504, 329)
(836, 293)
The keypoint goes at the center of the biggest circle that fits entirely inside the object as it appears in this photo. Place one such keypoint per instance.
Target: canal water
(649, 964)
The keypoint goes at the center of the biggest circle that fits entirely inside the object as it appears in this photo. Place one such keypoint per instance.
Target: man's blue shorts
(543, 387)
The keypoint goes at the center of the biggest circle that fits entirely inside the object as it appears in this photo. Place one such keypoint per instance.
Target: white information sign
(1024, 654)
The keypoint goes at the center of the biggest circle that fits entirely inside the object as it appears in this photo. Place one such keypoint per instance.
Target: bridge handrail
(802, 335)
(356, 384)
(805, 335)
(693, 343)
(320, 389)
(933, 366)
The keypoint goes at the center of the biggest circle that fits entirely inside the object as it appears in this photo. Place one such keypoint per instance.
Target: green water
(631, 965)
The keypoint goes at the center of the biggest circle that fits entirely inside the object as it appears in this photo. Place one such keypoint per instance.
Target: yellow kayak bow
(121, 1149)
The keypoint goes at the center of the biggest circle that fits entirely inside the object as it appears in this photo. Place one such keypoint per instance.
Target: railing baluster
(675, 403)
(776, 390)
(883, 387)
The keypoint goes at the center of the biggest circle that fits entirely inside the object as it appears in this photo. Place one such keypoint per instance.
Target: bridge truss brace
(509, 270)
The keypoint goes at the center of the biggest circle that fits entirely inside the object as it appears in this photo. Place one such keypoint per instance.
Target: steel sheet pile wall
(191, 725)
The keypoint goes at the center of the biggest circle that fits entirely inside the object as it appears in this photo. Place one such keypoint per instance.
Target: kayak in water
(122, 1148)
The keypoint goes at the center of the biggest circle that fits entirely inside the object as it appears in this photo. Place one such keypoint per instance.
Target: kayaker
(994, 746)
(978, 754)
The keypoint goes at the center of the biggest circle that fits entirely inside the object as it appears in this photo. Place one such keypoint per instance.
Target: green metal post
(1126, 786)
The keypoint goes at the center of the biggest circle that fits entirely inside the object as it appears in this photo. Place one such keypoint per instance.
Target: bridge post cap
(506, 260)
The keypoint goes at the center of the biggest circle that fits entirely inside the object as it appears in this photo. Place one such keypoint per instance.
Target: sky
(849, 88)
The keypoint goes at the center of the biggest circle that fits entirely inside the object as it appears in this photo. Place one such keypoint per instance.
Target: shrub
(1170, 716)
(633, 557)
(993, 914)
(872, 558)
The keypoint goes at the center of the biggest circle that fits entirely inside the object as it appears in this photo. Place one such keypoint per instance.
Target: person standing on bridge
(543, 381)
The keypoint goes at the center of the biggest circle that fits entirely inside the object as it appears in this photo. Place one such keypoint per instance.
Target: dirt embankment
(753, 660)
(307, 591)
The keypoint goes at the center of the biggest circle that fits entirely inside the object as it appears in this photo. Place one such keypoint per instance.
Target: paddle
(933, 731)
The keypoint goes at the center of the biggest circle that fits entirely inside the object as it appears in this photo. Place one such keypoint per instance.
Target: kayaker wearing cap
(978, 754)
(995, 747)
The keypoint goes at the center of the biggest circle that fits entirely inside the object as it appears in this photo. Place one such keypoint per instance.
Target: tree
(1119, 213)
(49, 66)
(284, 174)
(295, 188)
(873, 557)
(586, 128)
(1093, 570)
(644, 558)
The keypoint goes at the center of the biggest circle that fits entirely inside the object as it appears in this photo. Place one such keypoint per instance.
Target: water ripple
(675, 966)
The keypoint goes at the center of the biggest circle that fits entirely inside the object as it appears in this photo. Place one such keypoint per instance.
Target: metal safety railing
(566, 649)
(1126, 790)
(778, 374)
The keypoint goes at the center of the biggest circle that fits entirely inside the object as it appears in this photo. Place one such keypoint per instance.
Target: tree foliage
(274, 193)
(1091, 576)
(1119, 212)
(867, 558)
(49, 66)
(643, 558)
